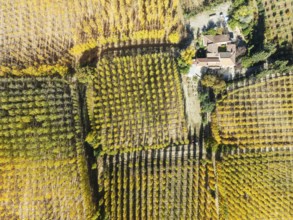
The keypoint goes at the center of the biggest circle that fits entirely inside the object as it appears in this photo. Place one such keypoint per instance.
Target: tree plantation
(256, 184)
(49, 32)
(278, 20)
(146, 110)
(43, 171)
(137, 101)
(257, 113)
(154, 184)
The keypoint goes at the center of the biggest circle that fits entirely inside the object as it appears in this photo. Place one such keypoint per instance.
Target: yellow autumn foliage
(41, 70)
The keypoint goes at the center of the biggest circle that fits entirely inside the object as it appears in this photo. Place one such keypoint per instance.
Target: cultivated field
(50, 31)
(43, 172)
(155, 184)
(190, 5)
(138, 103)
(257, 114)
(278, 20)
(256, 185)
(207, 208)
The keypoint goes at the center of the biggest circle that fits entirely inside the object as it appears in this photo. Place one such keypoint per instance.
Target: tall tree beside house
(243, 15)
(214, 82)
(185, 59)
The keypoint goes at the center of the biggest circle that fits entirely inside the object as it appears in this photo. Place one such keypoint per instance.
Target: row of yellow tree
(256, 185)
(49, 32)
(257, 115)
(150, 185)
(42, 163)
(137, 103)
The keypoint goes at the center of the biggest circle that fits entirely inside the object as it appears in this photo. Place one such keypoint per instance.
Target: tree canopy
(185, 59)
(214, 82)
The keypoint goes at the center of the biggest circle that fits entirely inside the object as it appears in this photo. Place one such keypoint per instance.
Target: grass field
(138, 102)
(256, 114)
(43, 171)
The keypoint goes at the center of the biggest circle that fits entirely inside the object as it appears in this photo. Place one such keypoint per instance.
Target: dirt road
(192, 103)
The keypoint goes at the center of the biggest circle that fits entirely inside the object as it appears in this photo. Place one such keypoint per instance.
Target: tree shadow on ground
(188, 38)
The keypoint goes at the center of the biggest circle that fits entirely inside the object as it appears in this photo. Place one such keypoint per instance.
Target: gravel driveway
(202, 19)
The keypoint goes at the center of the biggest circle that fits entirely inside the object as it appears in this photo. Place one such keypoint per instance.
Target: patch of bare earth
(192, 104)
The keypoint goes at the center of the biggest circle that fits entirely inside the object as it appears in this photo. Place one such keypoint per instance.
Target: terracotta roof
(208, 59)
(212, 48)
(217, 38)
(225, 54)
(231, 47)
(227, 62)
(216, 61)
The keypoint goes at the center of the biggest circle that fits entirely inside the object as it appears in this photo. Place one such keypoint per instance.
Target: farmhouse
(221, 52)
